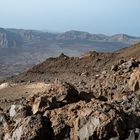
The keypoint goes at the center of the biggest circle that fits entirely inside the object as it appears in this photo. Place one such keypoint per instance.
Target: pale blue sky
(95, 16)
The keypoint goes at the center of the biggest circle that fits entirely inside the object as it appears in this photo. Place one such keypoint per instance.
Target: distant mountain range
(19, 37)
(21, 49)
(78, 35)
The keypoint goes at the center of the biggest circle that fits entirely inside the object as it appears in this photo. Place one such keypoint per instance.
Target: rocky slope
(71, 68)
(92, 97)
(133, 51)
(109, 109)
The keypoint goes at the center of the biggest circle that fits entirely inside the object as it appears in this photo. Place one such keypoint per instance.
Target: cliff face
(9, 39)
(3, 40)
(20, 37)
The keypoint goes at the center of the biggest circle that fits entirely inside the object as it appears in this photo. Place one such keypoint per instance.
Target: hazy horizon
(94, 16)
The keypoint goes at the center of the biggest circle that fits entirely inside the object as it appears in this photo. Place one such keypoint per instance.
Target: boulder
(32, 128)
(59, 94)
(3, 124)
(99, 127)
(41, 103)
(19, 111)
(3, 119)
(86, 128)
(65, 92)
(131, 135)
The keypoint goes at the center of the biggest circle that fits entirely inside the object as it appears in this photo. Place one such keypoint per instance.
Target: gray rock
(115, 138)
(131, 136)
(3, 120)
(19, 111)
(7, 137)
(127, 64)
(139, 137)
(87, 128)
(32, 128)
(18, 133)
(12, 111)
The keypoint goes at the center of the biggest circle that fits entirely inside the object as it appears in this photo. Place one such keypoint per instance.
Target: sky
(94, 16)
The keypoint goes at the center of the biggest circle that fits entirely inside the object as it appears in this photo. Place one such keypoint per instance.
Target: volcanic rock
(31, 128)
(57, 95)
(19, 111)
(103, 105)
(39, 103)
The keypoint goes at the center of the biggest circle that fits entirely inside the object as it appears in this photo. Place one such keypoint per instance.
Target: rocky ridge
(83, 69)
